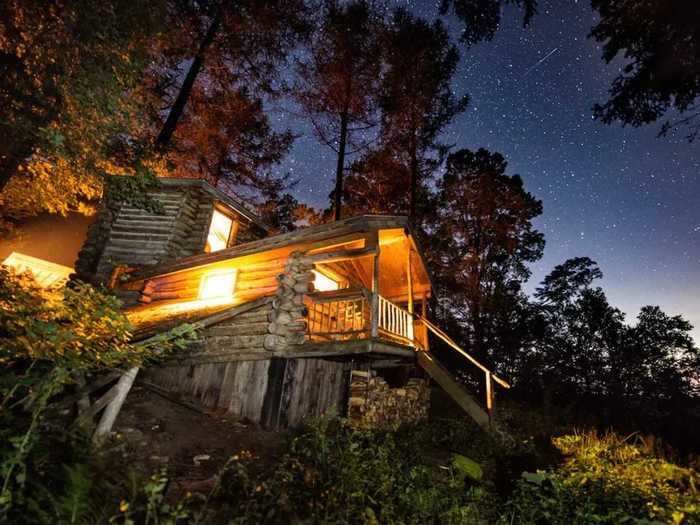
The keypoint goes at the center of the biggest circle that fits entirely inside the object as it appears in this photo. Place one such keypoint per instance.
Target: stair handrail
(489, 375)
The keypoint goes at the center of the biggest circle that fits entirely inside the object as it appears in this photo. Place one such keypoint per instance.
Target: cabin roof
(235, 203)
(344, 228)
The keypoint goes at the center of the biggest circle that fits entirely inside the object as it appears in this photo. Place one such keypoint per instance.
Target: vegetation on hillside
(52, 341)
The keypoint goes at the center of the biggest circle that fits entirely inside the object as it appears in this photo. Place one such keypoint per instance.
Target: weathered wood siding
(278, 393)
(316, 387)
(238, 387)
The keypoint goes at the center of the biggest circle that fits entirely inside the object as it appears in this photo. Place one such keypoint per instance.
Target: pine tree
(417, 100)
(338, 80)
(216, 126)
(481, 18)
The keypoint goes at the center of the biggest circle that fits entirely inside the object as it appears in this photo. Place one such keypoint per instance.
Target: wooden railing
(394, 321)
(490, 376)
(348, 314)
(338, 316)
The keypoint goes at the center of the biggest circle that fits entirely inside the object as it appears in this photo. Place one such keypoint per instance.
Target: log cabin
(328, 319)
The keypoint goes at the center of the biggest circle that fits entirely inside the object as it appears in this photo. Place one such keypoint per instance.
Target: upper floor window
(221, 232)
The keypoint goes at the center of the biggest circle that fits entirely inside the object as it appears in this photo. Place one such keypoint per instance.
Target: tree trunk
(413, 183)
(341, 164)
(183, 96)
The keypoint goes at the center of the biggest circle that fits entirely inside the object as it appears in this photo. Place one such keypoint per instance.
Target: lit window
(219, 284)
(323, 283)
(219, 232)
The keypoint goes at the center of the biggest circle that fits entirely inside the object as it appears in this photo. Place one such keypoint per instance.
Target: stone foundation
(374, 404)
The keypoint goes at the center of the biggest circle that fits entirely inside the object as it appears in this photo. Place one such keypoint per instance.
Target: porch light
(323, 283)
(219, 232)
(218, 284)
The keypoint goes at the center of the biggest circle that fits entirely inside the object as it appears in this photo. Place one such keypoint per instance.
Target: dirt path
(192, 445)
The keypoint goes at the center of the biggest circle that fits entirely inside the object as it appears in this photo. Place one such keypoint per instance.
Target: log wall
(126, 235)
(238, 338)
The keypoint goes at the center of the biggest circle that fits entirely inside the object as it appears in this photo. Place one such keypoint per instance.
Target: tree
(338, 81)
(481, 239)
(481, 18)
(66, 72)
(658, 360)
(417, 99)
(661, 42)
(230, 54)
(376, 183)
(285, 213)
(582, 329)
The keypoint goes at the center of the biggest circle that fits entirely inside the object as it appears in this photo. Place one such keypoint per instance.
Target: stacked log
(287, 327)
(373, 404)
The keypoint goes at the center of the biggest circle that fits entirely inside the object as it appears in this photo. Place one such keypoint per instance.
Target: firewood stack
(287, 326)
(373, 404)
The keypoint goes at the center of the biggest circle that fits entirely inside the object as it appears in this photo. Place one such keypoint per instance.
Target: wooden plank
(375, 296)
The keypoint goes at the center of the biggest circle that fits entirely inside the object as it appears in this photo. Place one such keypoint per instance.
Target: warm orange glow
(219, 232)
(46, 274)
(218, 284)
(323, 283)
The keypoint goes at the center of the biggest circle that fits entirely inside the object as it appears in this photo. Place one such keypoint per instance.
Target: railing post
(375, 297)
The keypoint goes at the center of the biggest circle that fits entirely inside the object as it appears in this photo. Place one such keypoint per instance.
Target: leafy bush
(607, 480)
(335, 474)
(51, 339)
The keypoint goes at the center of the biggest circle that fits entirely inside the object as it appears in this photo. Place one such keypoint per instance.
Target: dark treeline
(182, 87)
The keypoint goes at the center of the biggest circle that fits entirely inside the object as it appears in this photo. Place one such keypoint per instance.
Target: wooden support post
(409, 274)
(424, 315)
(489, 396)
(375, 297)
(111, 412)
(409, 277)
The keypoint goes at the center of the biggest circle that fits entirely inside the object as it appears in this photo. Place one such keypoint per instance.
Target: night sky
(622, 196)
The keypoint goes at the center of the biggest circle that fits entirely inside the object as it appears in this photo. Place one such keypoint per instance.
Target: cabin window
(323, 283)
(220, 230)
(218, 285)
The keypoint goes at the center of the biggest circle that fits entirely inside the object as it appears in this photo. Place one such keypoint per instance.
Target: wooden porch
(357, 314)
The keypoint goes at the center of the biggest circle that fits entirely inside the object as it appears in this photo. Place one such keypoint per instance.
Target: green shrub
(51, 339)
(335, 474)
(607, 480)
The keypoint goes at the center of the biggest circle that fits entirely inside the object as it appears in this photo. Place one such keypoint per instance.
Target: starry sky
(622, 196)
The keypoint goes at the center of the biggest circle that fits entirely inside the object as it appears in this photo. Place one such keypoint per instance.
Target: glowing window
(219, 232)
(219, 284)
(323, 283)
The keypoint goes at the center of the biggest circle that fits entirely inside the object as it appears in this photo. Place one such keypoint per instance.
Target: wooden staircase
(426, 360)
(454, 389)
